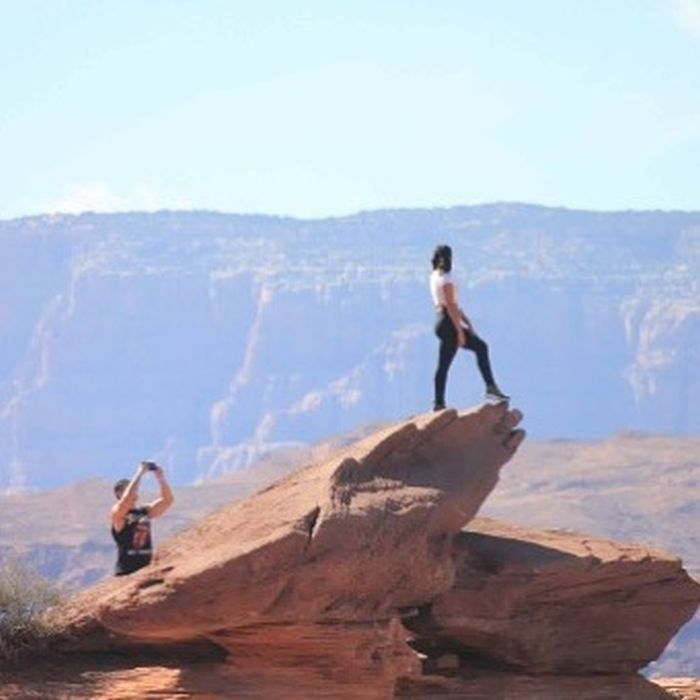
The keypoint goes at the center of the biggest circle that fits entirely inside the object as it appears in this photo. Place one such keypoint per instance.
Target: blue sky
(325, 108)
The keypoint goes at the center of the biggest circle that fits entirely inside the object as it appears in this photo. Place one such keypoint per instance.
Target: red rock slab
(145, 679)
(473, 684)
(680, 688)
(352, 539)
(558, 602)
(134, 679)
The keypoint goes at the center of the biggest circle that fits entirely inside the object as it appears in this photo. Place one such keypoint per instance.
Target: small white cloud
(146, 197)
(311, 402)
(687, 14)
(350, 397)
(88, 196)
(99, 196)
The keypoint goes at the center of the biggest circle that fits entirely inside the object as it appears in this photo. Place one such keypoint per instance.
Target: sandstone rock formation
(298, 591)
(479, 684)
(681, 688)
(353, 539)
(558, 602)
(137, 679)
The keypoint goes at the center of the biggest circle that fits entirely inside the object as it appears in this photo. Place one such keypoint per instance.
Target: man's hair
(442, 258)
(120, 486)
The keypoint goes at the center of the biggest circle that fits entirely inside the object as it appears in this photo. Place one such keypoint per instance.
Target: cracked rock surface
(350, 540)
(558, 602)
(300, 591)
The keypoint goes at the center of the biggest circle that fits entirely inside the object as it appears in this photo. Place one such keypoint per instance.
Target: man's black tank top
(133, 542)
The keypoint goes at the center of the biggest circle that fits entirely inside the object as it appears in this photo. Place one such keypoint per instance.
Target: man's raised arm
(160, 505)
(127, 499)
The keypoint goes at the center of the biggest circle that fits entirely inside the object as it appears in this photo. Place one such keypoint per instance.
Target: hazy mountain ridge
(208, 339)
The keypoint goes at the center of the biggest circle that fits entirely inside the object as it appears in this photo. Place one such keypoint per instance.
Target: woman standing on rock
(455, 330)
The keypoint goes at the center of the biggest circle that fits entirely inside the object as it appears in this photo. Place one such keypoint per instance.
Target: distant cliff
(206, 340)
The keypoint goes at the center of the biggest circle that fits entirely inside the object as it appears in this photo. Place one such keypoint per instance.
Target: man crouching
(131, 525)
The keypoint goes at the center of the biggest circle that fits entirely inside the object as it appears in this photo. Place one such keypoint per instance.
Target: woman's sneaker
(493, 393)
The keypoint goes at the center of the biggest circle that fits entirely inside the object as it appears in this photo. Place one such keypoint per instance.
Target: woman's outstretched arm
(466, 321)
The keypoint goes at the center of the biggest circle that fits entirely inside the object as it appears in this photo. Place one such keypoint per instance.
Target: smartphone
(151, 466)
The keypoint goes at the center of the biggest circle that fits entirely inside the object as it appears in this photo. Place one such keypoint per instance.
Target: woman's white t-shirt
(438, 280)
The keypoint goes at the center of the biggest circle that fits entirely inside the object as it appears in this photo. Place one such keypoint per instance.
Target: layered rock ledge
(353, 539)
(557, 602)
(300, 590)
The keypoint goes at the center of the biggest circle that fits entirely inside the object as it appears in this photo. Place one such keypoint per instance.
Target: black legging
(447, 333)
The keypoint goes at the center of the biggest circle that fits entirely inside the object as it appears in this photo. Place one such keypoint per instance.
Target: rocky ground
(367, 575)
